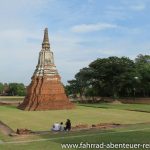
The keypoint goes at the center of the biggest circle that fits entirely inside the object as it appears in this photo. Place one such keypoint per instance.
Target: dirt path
(6, 130)
(9, 103)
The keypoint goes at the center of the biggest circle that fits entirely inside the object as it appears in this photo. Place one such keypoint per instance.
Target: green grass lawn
(86, 114)
(137, 134)
(43, 120)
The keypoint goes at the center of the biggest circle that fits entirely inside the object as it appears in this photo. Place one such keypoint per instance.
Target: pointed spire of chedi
(45, 44)
(45, 91)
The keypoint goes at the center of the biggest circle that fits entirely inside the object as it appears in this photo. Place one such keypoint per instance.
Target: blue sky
(80, 31)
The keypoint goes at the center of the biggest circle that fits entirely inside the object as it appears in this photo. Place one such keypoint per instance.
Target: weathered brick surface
(44, 94)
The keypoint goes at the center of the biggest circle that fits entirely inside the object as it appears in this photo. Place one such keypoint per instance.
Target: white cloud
(138, 7)
(17, 53)
(83, 28)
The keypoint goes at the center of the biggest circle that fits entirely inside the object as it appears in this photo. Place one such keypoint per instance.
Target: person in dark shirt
(68, 125)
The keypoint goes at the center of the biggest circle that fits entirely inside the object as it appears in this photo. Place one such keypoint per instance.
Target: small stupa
(45, 92)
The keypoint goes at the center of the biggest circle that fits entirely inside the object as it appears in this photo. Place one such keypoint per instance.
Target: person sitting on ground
(56, 127)
(61, 127)
(68, 125)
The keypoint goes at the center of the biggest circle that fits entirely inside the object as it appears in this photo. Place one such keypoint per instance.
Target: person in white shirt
(56, 127)
(61, 127)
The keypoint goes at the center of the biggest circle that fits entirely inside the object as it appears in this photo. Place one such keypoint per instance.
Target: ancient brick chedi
(45, 91)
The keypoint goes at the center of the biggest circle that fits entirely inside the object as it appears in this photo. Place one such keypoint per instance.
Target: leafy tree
(1, 88)
(6, 89)
(73, 88)
(142, 59)
(83, 78)
(142, 63)
(80, 83)
(113, 75)
(16, 89)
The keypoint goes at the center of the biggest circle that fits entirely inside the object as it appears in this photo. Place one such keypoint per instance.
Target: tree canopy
(113, 77)
(12, 89)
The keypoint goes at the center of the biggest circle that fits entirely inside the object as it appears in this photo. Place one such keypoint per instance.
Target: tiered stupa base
(45, 93)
